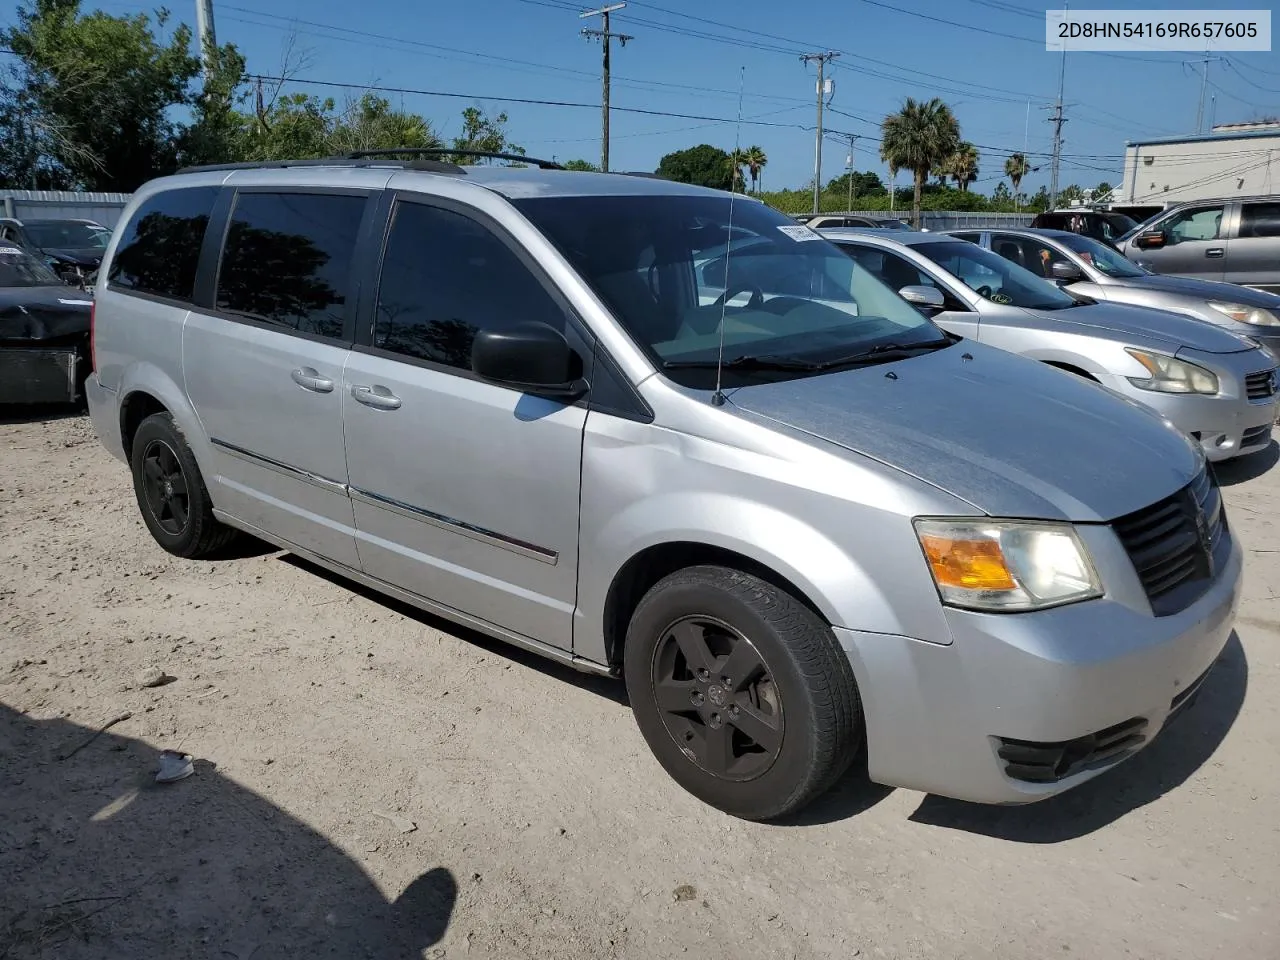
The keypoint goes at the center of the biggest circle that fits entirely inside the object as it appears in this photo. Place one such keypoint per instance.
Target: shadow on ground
(97, 860)
(605, 687)
(1185, 744)
(34, 413)
(1244, 469)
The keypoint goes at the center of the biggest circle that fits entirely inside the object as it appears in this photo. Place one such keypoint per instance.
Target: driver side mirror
(1151, 239)
(1064, 271)
(531, 357)
(928, 299)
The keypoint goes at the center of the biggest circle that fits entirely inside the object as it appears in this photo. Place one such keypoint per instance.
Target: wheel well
(137, 407)
(646, 568)
(1068, 368)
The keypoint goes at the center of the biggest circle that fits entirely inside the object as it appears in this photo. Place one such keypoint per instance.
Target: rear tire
(171, 494)
(741, 691)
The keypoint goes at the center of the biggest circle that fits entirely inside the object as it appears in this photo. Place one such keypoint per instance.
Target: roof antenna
(717, 398)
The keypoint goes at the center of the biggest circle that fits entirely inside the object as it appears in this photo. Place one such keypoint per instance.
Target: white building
(1234, 160)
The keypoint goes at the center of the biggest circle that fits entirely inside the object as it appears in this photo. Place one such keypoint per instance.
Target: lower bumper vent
(1035, 762)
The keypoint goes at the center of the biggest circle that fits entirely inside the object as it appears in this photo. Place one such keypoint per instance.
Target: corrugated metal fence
(104, 208)
(946, 219)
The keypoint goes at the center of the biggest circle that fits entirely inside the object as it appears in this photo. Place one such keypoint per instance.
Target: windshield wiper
(884, 353)
(745, 362)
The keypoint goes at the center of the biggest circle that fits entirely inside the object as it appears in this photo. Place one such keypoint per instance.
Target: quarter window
(1260, 220)
(287, 260)
(160, 249)
(446, 277)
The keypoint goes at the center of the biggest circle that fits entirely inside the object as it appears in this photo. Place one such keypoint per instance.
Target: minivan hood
(1206, 289)
(1009, 435)
(1127, 320)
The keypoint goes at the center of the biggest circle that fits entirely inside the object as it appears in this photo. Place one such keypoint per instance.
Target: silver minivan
(799, 519)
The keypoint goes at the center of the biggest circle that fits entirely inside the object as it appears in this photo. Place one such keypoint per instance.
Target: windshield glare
(68, 234)
(670, 267)
(1102, 258)
(993, 277)
(19, 269)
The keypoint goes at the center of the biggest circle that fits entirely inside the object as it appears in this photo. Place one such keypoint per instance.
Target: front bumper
(40, 375)
(938, 715)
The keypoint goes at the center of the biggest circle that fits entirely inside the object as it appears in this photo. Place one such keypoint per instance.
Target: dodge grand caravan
(577, 412)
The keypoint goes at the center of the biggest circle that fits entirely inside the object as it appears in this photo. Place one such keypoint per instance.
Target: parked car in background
(1103, 226)
(44, 332)
(1087, 268)
(1236, 240)
(73, 248)
(1209, 382)
(871, 223)
(784, 513)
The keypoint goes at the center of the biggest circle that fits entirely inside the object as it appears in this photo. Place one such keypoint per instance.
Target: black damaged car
(44, 332)
(72, 248)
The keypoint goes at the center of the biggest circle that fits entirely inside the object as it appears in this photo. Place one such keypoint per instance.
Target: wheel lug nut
(733, 709)
(697, 697)
(725, 681)
(703, 675)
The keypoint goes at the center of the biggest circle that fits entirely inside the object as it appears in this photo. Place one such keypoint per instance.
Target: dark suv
(1102, 226)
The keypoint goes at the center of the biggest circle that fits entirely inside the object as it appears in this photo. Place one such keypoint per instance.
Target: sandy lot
(371, 782)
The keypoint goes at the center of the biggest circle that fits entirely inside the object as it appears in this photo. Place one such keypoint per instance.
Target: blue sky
(687, 58)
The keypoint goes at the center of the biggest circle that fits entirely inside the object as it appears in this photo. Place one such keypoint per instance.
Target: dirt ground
(371, 782)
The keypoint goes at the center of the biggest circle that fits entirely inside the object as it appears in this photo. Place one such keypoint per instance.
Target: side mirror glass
(1065, 271)
(919, 295)
(1150, 239)
(532, 357)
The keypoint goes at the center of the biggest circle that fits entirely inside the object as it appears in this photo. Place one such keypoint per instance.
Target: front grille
(1260, 385)
(1035, 762)
(1172, 544)
(1256, 436)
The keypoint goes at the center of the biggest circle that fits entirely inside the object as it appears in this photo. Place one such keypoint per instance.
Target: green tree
(1070, 194)
(704, 165)
(97, 95)
(962, 165)
(1015, 168)
(479, 132)
(371, 124)
(1102, 192)
(865, 183)
(1001, 196)
(584, 166)
(919, 137)
(756, 160)
(1040, 202)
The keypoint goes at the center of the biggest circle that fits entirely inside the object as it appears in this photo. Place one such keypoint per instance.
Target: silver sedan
(1209, 382)
(1086, 267)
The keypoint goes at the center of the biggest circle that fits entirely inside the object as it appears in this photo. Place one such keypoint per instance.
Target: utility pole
(604, 36)
(849, 167)
(823, 59)
(204, 29)
(1204, 84)
(1057, 120)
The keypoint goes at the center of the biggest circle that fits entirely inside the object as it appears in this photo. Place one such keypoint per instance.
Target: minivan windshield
(66, 234)
(672, 268)
(19, 269)
(1101, 257)
(993, 277)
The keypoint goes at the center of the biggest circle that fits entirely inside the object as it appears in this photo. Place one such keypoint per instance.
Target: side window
(1260, 220)
(897, 272)
(971, 237)
(1202, 223)
(445, 277)
(287, 260)
(160, 248)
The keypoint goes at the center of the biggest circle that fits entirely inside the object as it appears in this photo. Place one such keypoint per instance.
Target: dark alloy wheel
(717, 699)
(165, 487)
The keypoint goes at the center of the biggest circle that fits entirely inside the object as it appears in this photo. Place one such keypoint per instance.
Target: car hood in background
(1206, 289)
(1009, 435)
(82, 256)
(43, 313)
(1125, 320)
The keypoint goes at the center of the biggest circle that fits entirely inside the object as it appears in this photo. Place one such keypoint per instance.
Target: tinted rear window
(160, 248)
(287, 260)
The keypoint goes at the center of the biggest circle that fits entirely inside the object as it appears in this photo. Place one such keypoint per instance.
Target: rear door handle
(1213, 252)
(376, 396)
(309, 379)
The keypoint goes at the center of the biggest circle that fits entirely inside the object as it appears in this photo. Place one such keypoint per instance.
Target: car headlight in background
(1243, 313)
(1171, 375)
(1007, 565)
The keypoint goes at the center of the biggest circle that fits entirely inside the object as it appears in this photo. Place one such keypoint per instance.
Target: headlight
(1007, 565)
(1171, 375)
(1244, 313)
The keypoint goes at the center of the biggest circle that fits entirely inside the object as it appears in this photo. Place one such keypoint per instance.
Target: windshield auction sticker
(1196, 31)
(799, 232)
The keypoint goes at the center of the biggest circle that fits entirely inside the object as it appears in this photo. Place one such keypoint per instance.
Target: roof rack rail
(436, 166)
(444, 151)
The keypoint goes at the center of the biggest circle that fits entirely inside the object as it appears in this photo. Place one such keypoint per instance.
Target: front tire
(171, 494)
(741, 691)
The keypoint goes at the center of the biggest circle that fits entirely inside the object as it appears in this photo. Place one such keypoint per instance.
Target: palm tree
(1015, 168)
(962, 166)
(919, 137)
(756, 160)
(737, 158)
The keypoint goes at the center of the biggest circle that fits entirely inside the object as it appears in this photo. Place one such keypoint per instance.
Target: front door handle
(1213, 253)
(376, 396)
(309, 379)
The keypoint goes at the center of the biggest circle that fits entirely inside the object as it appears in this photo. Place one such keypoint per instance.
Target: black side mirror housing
(1150, 239)
(532, 357)
(1065, 271)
